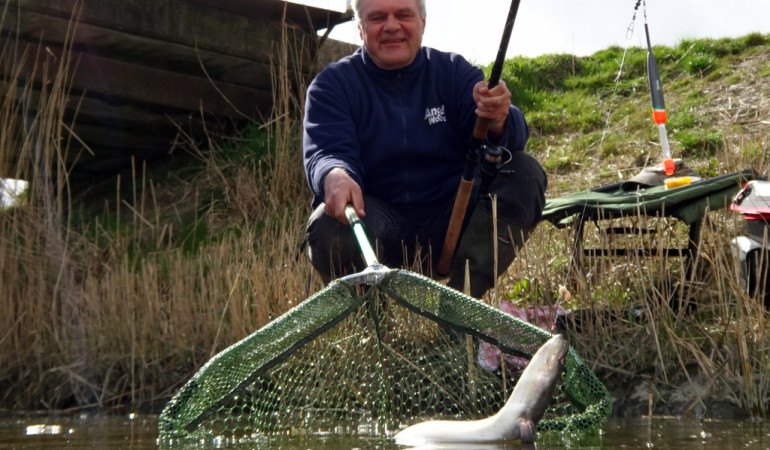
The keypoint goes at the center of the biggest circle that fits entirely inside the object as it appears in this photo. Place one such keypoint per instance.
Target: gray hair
(357, 4)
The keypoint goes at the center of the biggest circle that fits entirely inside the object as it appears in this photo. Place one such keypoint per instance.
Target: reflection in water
(78, 432)
(516, 446)
(139, 432)
(33, 430)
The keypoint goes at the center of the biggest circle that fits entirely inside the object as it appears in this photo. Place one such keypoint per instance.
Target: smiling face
(392, 31)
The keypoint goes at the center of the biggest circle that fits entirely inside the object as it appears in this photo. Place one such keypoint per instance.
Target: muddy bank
(697, 398)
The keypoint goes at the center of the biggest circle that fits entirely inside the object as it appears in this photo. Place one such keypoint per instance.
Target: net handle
(363, 242)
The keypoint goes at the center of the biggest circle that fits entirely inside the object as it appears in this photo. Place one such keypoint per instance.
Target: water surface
(138, 432)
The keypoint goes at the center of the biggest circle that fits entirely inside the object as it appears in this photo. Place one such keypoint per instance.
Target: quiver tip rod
(478, 147)
(659, 115)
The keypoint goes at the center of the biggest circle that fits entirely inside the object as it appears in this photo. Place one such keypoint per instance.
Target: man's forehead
(374, 6)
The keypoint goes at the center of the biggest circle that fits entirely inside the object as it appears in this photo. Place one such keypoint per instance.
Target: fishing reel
(491, 163)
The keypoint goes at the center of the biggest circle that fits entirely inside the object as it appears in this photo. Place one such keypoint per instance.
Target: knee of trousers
(483, 249)
(519, 189)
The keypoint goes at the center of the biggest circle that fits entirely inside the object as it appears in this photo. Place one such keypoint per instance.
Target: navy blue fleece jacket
(401, 134)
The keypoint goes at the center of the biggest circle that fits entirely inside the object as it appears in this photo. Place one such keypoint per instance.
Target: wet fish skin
(516, 420)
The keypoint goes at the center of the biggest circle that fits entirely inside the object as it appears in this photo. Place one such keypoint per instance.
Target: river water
(139, 432)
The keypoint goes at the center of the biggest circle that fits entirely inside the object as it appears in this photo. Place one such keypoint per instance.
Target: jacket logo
(435, 115)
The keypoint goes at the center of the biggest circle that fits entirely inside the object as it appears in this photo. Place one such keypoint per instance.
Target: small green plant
(610, 149)
(753, 150)
(518, 289)
(710, 170)
(558, 162)
(700, 143)
(699, 64)
(751, 40)
(684, 120)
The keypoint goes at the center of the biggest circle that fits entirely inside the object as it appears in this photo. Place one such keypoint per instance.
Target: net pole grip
(358, 230)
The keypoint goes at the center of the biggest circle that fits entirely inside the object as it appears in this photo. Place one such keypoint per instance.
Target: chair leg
(576, 274)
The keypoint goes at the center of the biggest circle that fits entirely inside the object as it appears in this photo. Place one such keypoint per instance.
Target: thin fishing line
(629, 36)
(616, 81)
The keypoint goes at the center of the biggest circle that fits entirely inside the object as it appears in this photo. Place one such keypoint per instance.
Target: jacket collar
(413, 68)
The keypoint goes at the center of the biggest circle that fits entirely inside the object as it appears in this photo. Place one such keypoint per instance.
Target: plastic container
(753, 252)
(755, 267)
(753, 201)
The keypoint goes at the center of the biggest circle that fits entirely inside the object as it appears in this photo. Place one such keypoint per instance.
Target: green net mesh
(369, 360)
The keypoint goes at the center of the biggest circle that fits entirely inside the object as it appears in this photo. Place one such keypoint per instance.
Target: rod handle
(455, 226)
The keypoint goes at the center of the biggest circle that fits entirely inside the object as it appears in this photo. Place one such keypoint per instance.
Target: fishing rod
(478, 147)
(659, 115)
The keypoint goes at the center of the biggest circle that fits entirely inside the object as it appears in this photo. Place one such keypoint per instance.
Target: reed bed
(113, 304)
(695, 345)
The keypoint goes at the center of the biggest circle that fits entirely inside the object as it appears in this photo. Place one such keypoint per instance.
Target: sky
(474, 28)
(10, 189)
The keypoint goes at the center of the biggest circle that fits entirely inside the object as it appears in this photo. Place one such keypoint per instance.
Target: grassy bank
(592, 126)
(115, 295)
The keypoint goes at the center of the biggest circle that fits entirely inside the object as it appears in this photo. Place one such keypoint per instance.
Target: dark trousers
(412, 237)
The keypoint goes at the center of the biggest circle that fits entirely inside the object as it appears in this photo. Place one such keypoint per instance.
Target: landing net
(367, 360)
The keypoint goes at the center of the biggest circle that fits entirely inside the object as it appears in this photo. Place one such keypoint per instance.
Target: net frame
(231, 372)
(211, 405)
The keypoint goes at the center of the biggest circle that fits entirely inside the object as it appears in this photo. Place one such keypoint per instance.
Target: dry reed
(113, 312)
(645, 324)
